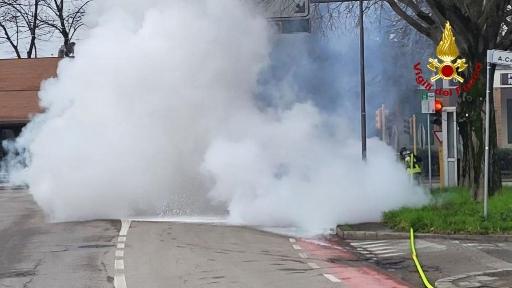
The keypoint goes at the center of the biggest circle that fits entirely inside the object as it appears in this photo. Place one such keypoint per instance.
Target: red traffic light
(438, 106)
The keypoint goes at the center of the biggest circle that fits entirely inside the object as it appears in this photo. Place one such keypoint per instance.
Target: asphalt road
(199, 255)
(34, 253)
(121, 254)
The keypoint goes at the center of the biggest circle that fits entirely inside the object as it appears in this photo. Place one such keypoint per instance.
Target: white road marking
(119, 253)
(125, 225)
(296, 247)
(313, 266)
(292, 240)
(119, 277)
(119, 281)
(303, 255)
(381, 248)
(367, 243)
(384, 251)
(375, 245)
(391, 255)
(119, 264)
(332, 278)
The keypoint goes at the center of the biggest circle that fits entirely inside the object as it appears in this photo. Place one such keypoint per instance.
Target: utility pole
(362, 77)
(414, 136)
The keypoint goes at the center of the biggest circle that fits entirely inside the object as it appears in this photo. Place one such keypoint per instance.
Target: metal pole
(363, 92)
(429, 153)
(414, 136)
(487, 117)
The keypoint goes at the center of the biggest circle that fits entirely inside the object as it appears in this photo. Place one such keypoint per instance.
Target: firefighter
(412, 163)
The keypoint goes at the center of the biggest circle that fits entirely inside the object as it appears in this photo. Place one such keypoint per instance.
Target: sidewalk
(495, 278)
(449, 261)
(378, 231)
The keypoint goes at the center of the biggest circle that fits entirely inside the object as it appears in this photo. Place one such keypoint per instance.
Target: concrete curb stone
(384, 235)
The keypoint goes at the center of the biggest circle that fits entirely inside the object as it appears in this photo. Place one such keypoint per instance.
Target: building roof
(20, 81)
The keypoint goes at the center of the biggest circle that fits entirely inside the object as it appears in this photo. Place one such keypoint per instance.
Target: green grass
(452, 211)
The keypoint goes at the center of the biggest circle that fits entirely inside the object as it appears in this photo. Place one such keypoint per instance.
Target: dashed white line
(296, 247)
(119, 276)
(332, 278)
(313, 265)
(125, 225)
(292, 240)
(303, 255)
(119, 264)
(119, 281)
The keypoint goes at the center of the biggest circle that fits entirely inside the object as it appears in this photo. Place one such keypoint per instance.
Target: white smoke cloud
(158, 109)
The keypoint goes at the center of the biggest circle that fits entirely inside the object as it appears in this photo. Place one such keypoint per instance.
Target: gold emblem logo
(447, 51)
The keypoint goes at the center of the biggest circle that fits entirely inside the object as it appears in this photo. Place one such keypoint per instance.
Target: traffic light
(438, 107)
(378, 119)
(437, 118)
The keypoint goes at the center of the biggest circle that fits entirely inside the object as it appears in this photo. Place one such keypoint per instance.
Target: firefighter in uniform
(412, 163)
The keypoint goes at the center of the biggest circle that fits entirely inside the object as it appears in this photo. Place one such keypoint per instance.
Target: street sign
(284, 9)
(506, 79)
(500, 57)
(289, 26)
(428, 103)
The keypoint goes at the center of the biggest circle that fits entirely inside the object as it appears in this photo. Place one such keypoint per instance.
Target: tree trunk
(33, 30)
(472, 131)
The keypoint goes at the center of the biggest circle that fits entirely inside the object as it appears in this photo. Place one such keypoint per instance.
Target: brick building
(20, 81)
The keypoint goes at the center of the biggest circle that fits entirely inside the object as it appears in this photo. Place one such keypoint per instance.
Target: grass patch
(452, 211)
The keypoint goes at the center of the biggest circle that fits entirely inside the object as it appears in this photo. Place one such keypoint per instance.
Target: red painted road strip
(338, 261)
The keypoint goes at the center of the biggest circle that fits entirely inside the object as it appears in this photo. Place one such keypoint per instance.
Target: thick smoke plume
(164, 108)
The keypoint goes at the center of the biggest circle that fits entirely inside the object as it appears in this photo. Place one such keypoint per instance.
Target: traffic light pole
(487, 120)
(429, 153)
(362, 77)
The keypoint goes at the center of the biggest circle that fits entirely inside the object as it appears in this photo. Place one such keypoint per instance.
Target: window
(509, 120)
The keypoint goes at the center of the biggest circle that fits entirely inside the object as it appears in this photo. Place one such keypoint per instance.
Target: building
(503, 106)
(20, 81)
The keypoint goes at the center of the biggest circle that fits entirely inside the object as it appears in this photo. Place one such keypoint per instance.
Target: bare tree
(10, 28)
(66, 17)
(20, 25)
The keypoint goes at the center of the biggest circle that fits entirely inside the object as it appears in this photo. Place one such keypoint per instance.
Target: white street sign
(500, 57)
(428, 103)
(284, 9)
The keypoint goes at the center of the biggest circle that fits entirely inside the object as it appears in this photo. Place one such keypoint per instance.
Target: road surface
(136, 254)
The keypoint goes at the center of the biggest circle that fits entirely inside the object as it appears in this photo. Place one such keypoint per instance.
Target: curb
(447, 282)
(373, 235)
